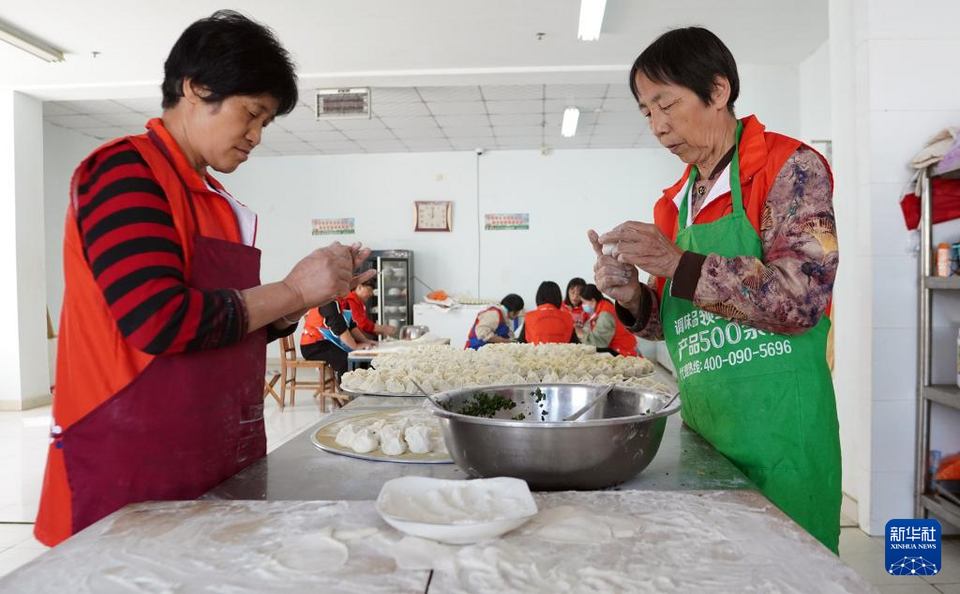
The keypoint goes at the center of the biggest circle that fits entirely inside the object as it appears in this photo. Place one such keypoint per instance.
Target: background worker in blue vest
(495, 323)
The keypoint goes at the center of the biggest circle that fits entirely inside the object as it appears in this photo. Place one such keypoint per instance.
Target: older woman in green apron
(742, 256)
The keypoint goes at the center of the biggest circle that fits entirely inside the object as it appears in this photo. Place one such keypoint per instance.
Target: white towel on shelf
(935, 148)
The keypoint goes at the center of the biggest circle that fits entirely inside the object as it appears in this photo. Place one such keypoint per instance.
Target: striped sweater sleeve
(132, 247)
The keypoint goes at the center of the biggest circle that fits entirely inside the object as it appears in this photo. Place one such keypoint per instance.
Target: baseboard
(850, 508)
(26, 403)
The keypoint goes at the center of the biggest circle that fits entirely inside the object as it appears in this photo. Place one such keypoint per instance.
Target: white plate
(411, 504)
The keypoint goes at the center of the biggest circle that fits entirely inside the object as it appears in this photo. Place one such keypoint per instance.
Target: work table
(706, 530)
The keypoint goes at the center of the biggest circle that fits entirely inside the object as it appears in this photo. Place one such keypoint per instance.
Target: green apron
(764, 400)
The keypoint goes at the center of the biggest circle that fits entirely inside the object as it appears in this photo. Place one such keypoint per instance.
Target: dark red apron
(188, 421)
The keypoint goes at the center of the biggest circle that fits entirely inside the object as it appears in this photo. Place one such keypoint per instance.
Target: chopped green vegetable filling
(486, 405)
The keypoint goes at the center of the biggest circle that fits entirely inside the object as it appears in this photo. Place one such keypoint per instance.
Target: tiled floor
(23, 446)
(866, 556)
(24, 437)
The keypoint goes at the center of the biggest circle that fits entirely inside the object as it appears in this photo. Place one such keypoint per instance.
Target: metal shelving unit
(928, 394)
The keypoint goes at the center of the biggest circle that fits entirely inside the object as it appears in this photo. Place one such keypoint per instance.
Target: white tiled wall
(903, 95)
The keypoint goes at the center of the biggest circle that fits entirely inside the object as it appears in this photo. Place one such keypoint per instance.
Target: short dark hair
(549, 292)
(691, 57)
(512, 302)
(592, 293)
(229, 54)
(372, 283)
(574, 282)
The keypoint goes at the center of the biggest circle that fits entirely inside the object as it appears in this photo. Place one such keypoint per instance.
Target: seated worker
(493, 324)
(606, 332)
(572, 304)
(547, 323)
(356, 302)
(329, 333)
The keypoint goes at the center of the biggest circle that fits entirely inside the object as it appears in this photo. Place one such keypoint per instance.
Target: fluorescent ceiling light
(29, 44)
(591, 19)
(571, 116)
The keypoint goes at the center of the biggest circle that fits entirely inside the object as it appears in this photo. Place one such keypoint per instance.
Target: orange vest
(314, 323)
(762, 155)
(623, 341)
(94, 362)
(547, 324)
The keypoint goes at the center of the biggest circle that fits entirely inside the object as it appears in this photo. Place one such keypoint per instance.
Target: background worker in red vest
(165, 323)
(330, 333)
(547, 323)
(604, 330)
(742, 256)
(494, 324)
(572, 303)
(357, 304)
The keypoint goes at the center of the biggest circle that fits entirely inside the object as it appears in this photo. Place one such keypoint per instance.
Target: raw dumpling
(418, 439)
(345, 435)
(365, 441)
(391, 440)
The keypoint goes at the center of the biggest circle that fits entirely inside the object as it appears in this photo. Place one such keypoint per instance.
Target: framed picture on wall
(435, 215)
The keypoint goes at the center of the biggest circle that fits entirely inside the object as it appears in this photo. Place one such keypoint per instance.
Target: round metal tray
(324, 438)
(384, 394)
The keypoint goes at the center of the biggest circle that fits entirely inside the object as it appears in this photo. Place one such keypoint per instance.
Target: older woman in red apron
(163, 333)
(743, 255)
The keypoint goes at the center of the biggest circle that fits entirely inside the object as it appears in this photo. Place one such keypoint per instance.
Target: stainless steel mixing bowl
(608, 445)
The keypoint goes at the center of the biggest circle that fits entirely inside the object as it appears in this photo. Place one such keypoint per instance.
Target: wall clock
(433, 215)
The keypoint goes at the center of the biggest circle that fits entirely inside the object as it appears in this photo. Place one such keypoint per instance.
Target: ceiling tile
(336, 145)
(306, 149)
(449, 108)
(380, 134)
(620, 90)
(105, 133)
(404, 133)
(400, 109)
(403, 123)
(302, 125)
(617, 130)
(431, 145)
(356, 150)
(620, 104)
(53, 108)
(263, 151)
(75, 121)
(583, 104)
(320, 136)
(469, 132)
(272, 136)
(527, 119)
(514, 107)
(357, 124)
(393, 95)
(284, 146)
(587, 118)
(460, 121)
(520, 142)
(129, 118)
(472, 143)
(144, 105)
(383, 146)
(634, 118)
(430, 94)
(575, 91)
(511, 92)
(513, 131)
(95, 107)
